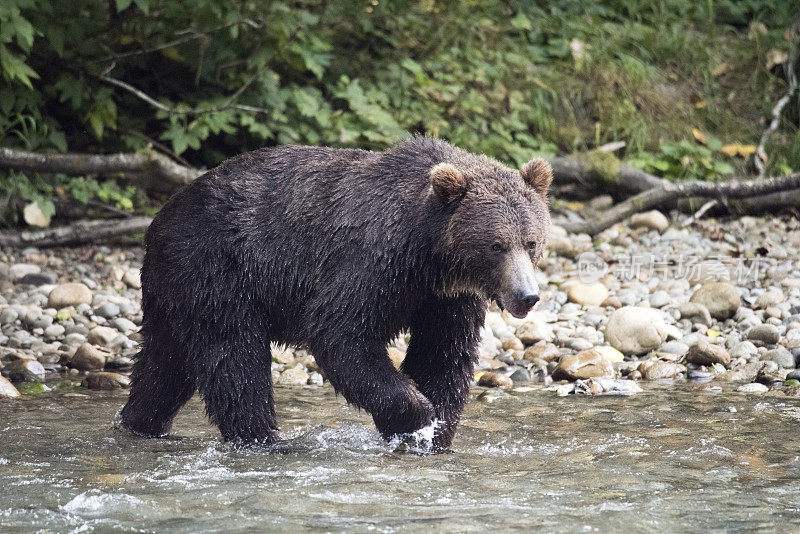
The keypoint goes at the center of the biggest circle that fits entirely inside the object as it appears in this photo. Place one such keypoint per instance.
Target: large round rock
(69, 295)
(636, 330)
(721, 299)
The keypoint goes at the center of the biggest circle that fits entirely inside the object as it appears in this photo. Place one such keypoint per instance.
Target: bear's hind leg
(236, 384)
(160, 385)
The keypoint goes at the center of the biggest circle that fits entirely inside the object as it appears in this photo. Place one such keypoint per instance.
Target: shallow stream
(673, 459)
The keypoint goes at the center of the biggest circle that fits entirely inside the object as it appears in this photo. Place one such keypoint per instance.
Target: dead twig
(760, 155)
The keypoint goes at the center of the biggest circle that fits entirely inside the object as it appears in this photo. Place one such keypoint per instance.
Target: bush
(206, 79)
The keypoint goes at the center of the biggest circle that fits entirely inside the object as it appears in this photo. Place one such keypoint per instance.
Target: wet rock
(708, 354)
(781, 356)
(764, 333)
(295, 376)
(746, 373)
(793, 375)
(24, 370)
(534, 331)
(769, 376)
(585, 364)
(635, 330)
(315, 379)
(587, 294)
(132, 278)
(106, 380)
(695, 312)
(102, 335)
(752, 388)
(520, 375)
(654, 220)
(612, 386)
(69, 295)
(721, 299)
(660, 370)
(7, 389)
(495, 380)
(89, 358)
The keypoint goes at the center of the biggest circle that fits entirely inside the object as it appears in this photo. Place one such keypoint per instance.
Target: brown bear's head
(497, 230)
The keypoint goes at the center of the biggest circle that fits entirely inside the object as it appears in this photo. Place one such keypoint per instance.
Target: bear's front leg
(361, 371)
(441, 356)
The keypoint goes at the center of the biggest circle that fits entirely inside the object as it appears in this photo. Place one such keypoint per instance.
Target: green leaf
(71, 90)
(144, 5)
(122, 5)
(306, 100)
(46, 206)
(521, 22)
(16, 68)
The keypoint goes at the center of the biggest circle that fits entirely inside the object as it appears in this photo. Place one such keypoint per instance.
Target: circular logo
(591, 267)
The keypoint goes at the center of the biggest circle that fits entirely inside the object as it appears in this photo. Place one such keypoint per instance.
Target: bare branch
(671, 191)
(760, 156)
(195, 111)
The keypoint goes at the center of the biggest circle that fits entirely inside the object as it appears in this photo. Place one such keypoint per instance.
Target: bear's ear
(448, 183)
(538, 174)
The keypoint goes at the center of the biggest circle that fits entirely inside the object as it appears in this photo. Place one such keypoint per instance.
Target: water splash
(418, 442)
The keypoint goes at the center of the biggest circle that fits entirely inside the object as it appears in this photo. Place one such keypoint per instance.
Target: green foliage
(213, 78)
(684, 161)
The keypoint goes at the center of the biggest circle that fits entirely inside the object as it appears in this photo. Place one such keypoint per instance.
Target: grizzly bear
(339, 250)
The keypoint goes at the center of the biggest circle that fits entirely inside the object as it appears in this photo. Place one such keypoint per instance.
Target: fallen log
(75, 234)
(155, 171)
(670, 191)
(597, 172)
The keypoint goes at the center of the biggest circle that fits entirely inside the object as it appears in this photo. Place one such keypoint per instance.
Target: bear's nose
(529, 300)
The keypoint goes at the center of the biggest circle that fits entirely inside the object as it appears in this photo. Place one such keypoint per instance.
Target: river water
(669, 459)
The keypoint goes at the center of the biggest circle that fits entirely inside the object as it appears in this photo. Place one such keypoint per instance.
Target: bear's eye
(531, 245)
(497, 247)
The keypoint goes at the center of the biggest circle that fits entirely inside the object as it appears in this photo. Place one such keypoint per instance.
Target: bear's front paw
(404, 414)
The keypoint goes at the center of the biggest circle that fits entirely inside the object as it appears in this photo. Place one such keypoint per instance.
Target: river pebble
(106, 380)
(635, 330)
(708, 354)
(720, 298)
(495, 380)
(89, 358)
(7, 389)
(70, 294)
(765, 333)
(585, 364)
(690, 307)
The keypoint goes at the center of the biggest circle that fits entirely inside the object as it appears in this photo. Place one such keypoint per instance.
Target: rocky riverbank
(648, 300)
